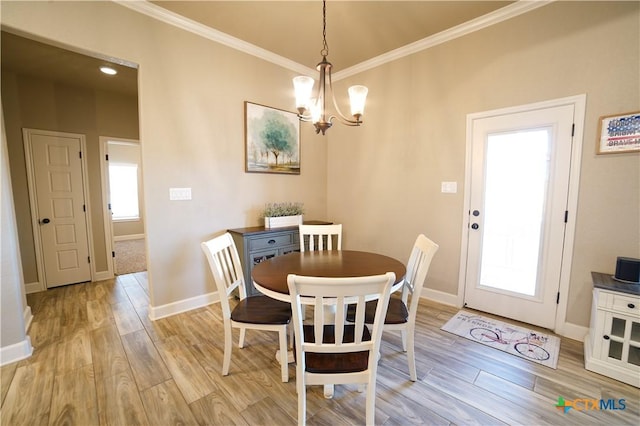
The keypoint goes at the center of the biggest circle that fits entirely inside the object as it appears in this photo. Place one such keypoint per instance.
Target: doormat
(522, 342)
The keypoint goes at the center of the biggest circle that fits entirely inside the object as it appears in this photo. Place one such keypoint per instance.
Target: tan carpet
(130, 256)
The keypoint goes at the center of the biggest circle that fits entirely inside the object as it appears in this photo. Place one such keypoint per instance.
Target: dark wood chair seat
(261, 310)
(397, 313)
(334, 362)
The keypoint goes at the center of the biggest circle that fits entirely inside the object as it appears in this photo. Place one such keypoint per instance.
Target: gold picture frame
(619, 133)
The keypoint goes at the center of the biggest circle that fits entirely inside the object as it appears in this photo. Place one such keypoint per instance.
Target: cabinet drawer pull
(606, 337)
(271, 241)
(631, 306)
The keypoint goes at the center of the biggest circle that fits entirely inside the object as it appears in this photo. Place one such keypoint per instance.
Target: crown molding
(515, 9)
(179, 21)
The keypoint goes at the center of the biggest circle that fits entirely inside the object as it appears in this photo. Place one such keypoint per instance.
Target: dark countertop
(261, 229)
(606, 282)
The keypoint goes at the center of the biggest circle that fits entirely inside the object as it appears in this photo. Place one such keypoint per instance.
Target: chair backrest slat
(320, 233)
(318, 324)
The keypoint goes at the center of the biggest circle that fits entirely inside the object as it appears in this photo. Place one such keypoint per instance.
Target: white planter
(281, 221)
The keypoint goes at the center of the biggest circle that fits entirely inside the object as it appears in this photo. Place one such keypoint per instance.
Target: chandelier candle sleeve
(357, 98)
(303, 86)
(315, 109)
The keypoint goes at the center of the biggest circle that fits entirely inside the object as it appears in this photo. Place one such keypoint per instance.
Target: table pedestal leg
(328, 391)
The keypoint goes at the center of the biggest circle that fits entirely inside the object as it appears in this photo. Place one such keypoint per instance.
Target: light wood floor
(98, 359)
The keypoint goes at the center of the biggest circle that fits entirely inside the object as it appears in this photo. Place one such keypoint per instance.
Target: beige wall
(414, 136)
(191, 103)
(382, 180)
(40, 104)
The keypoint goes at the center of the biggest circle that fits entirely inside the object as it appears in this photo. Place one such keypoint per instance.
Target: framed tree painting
(272, 140)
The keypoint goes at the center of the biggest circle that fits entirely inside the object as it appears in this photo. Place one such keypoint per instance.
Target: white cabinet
(612, 347)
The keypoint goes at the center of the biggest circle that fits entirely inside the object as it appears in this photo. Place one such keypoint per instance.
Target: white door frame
(108, 219)
(579, 104)
(106, 211)
(37, 241)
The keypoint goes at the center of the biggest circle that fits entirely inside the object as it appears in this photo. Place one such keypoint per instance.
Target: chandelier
(314, 109)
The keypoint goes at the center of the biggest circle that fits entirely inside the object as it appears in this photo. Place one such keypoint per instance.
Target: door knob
(45, 220)
(474, 226)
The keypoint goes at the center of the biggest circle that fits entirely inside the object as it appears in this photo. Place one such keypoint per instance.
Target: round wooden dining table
(270, 277)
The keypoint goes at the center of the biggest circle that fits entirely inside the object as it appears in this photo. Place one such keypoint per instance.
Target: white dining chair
(401, 313)
(320, 237)
(331, 351)
(255, 312)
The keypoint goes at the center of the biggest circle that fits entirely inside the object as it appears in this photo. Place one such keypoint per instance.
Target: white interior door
(59, 203)
(128, 191)
(520, 170)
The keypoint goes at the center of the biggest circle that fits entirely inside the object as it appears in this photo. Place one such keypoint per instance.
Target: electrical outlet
(179, 194)
(449, 187)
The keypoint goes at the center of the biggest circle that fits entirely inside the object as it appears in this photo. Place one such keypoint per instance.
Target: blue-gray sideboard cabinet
(256, 244)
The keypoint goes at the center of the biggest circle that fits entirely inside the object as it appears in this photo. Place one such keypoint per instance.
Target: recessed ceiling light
(108, 70)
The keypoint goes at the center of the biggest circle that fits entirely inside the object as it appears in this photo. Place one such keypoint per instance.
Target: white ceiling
(357, 31)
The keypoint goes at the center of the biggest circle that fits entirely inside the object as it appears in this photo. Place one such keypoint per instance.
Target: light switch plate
(179, 194)
(449, 187)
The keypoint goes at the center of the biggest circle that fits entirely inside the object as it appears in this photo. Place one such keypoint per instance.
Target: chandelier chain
(325, 47)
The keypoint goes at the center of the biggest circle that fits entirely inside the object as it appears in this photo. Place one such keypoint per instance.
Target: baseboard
(103, 275)
(28, 318)
(572, 331)
(439, 296)
(16, 352)
(33, 287)
(129, 237)
(162, 311)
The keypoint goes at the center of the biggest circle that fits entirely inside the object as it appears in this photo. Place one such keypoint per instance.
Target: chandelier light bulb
(315, 110)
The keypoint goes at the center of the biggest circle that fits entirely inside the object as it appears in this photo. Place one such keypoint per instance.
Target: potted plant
(277, 215)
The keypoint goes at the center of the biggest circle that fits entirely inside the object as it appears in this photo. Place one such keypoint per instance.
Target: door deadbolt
(476, 213)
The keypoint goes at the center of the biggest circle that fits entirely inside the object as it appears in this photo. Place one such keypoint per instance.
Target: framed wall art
(272, 140)
(619, 133)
